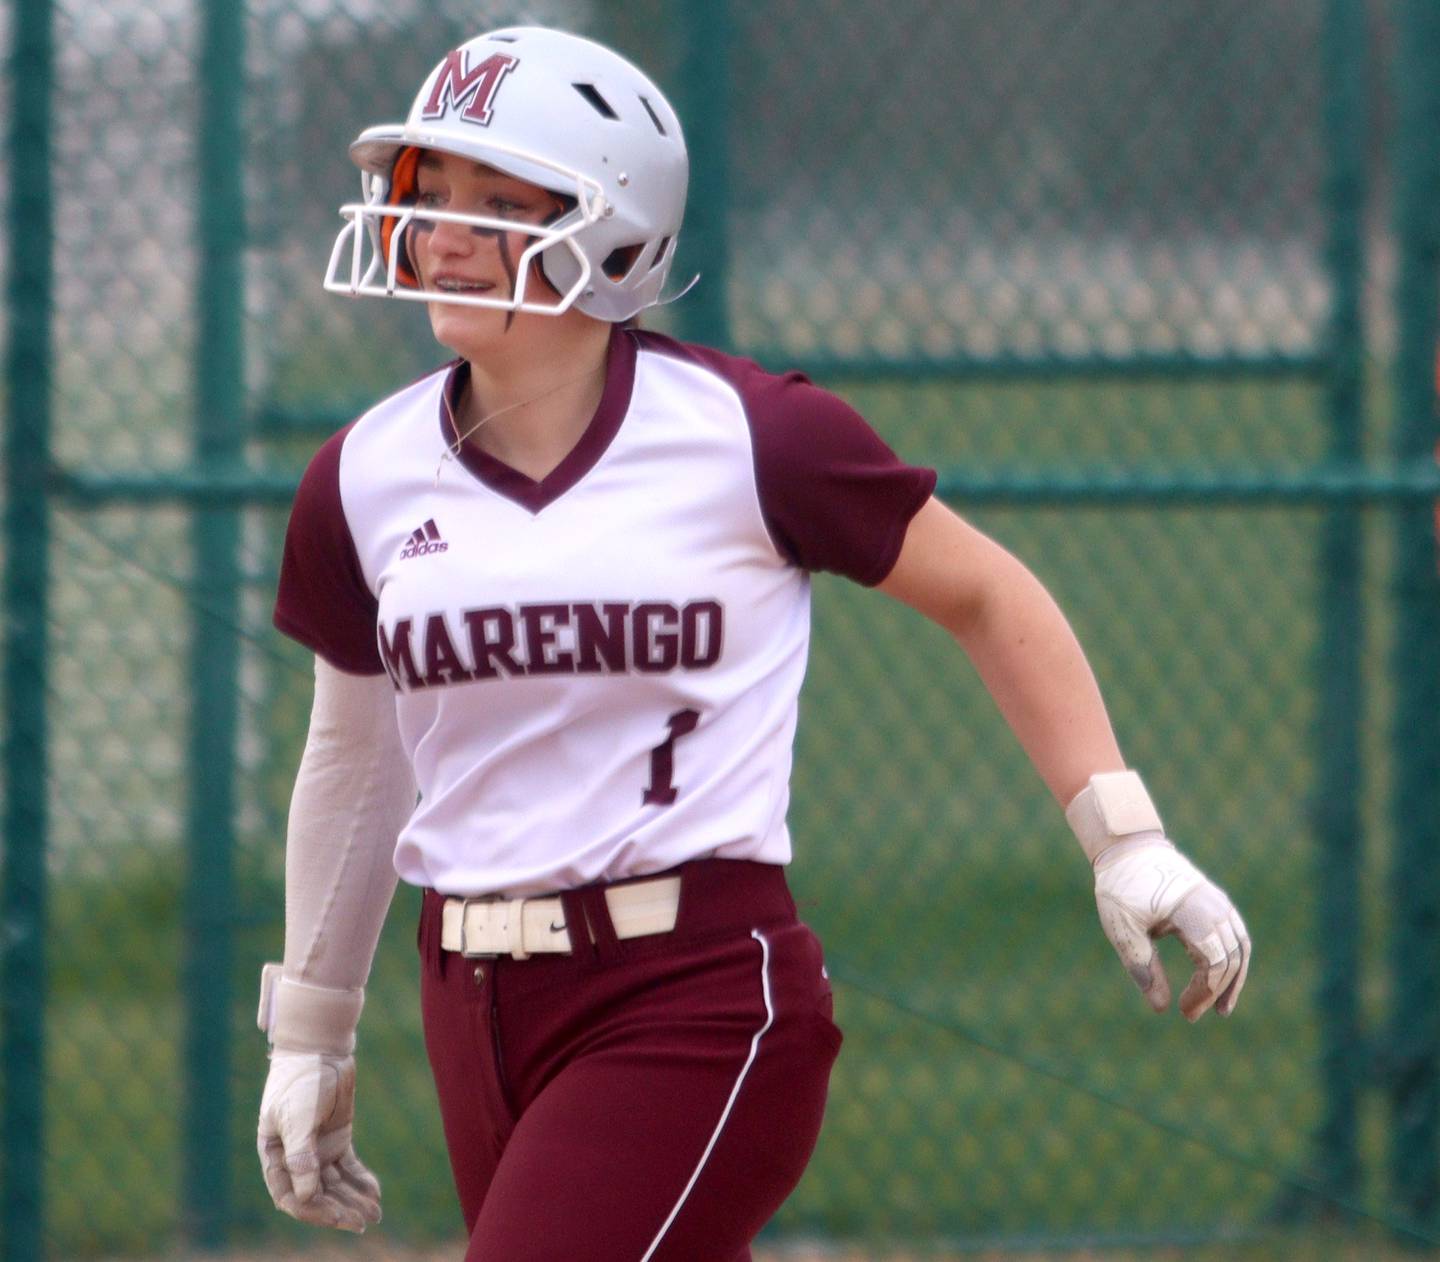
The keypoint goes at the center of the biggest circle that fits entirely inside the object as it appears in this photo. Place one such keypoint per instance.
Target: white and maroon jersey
(596, 674)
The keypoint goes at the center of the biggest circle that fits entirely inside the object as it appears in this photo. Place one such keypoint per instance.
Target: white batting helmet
(557, 111)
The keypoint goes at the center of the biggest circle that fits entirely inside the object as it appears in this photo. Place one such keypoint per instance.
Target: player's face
(471, 260)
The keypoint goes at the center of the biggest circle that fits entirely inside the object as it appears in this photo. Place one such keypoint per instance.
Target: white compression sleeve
(353, 793)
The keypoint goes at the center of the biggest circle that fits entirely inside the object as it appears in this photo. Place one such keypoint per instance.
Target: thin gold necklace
(453, 449)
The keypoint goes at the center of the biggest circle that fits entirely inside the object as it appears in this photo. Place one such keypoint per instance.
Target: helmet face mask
(371, 254)
(552, 110)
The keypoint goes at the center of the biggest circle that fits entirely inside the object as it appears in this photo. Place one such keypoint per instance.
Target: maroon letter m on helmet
(454, 85)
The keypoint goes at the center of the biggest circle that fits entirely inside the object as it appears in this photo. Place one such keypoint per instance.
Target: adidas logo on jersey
(423, 540)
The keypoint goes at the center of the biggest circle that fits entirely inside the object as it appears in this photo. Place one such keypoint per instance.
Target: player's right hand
(305, 1146)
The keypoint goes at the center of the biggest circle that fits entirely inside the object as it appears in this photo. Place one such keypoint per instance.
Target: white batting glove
(308, 1107)
(1146, 889)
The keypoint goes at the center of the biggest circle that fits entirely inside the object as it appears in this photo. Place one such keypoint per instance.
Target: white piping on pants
(734, 1092)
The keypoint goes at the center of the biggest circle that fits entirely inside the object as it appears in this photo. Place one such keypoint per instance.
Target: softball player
(557, 592)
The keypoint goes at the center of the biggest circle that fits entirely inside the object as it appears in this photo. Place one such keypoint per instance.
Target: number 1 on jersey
(661, 790)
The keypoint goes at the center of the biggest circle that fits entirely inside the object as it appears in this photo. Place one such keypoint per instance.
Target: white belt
(522, 927)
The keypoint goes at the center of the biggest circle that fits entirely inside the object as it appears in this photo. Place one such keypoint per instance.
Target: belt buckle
(465, 952)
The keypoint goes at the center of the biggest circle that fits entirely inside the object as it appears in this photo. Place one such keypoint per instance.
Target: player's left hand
(1146, 889)
(304, 1138)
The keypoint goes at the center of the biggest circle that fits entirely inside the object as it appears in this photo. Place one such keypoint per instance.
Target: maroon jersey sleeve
(323, 600)
(834, 495)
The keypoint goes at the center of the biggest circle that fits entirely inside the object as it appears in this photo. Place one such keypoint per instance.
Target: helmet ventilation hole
(654, 117)
(618, 263)
(660, 253)
(592, 94)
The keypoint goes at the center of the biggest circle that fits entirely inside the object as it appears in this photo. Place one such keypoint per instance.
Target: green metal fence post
(1337, 793)
(704, 108)
(27, 545)
(1415, 1020)
(219, 401)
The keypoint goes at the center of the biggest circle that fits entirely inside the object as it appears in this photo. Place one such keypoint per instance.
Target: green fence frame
(218, 485)
(1414, 1030)
(28, 369)
(214, 640)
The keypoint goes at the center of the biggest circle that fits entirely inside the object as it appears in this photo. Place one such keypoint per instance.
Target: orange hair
(404, 187)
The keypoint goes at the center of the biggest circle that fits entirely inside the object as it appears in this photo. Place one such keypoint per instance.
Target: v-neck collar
(592, 444)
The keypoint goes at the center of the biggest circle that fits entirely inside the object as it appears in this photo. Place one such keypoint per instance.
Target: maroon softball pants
(651, 1100)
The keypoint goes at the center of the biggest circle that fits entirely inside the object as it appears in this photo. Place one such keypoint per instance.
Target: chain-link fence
(1153, 285)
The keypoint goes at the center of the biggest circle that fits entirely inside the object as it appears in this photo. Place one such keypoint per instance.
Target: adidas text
(422, 549)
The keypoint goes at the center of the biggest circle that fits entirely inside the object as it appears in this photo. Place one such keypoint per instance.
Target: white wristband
(1112, 807)
(304, 1018)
